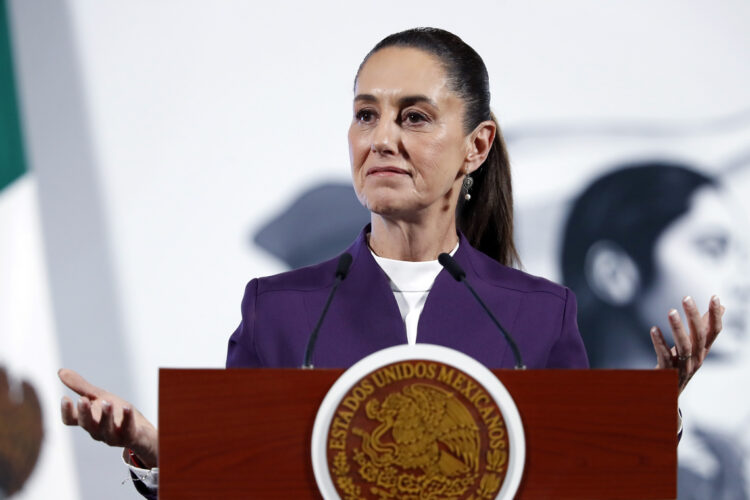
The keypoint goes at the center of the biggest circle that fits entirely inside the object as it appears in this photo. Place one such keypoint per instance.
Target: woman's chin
(390, 206)
(392, 212)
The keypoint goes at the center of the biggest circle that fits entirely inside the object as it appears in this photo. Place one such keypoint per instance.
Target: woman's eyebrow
(365, 98)
(415, 99)
(402, 102)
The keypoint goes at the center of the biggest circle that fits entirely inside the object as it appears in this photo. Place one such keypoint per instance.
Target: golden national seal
(417, 430)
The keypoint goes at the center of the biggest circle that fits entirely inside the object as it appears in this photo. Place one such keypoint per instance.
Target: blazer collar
(360, 249)
(451, 316)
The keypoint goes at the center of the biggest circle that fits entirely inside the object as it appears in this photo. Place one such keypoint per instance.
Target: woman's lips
(383, 171)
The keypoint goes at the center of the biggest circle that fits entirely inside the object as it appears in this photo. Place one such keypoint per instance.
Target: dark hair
(487, 220)
(631, 207)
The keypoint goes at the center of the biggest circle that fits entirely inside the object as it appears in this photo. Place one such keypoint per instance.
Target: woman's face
(702, 253)
(407, 144)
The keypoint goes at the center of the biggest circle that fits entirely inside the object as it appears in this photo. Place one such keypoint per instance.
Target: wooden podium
(245, 433)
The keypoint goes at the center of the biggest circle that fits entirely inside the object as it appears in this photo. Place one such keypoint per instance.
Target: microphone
(459, 274)
(342, 269)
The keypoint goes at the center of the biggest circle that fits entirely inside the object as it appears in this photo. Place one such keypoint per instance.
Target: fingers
(681, 338)
(663, 353)
(697, 331)
(715, 313)
(690, 348)
(127, 426)
(86, 417)
(78, 384)
(68, 411)
(683, 355)
(99, 419)
(107, 424)
(96, 418)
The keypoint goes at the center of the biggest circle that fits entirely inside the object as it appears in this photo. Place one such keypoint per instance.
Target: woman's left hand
(690, 348)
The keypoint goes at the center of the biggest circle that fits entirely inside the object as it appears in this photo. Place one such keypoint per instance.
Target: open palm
(109, 418)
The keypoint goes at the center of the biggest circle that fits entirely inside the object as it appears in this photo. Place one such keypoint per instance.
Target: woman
(427, 158)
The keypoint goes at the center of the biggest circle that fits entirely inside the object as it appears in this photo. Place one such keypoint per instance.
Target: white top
(410, 283)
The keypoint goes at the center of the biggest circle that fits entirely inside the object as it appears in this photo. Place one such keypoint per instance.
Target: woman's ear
(611, 273)
(480, 144)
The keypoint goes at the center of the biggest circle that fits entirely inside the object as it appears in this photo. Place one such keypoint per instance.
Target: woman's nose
(385, 138)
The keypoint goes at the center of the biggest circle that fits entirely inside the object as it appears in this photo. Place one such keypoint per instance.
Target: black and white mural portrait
(654, 216)
(634, 240)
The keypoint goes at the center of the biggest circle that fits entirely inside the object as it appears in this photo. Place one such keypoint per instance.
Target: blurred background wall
(162, 138)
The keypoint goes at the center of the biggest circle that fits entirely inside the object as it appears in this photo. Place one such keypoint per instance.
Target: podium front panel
(245, 433)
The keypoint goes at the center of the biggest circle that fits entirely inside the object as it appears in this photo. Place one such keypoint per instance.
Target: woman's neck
(412, 241)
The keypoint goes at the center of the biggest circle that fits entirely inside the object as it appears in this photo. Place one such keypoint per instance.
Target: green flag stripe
(12, 164)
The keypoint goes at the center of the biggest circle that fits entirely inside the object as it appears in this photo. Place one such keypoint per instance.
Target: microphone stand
(342, 269)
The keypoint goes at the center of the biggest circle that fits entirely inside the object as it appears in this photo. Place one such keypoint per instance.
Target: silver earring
(468, 182)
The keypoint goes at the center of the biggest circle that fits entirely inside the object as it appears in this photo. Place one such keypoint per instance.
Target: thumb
(78, 384)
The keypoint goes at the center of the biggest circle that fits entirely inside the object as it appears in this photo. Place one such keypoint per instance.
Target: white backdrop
(201, 120)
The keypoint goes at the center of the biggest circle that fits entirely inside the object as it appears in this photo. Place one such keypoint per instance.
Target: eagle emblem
(414, 429)
(426, 432)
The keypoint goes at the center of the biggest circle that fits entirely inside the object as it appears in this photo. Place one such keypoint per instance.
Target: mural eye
(714, 247)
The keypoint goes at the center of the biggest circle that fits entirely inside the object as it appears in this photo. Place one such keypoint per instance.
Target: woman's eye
(412, 117)
(364, 115)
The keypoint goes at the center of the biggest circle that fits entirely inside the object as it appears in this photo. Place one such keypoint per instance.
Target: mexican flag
(28, 344)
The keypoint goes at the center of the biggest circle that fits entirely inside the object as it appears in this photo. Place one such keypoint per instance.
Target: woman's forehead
(395, 72)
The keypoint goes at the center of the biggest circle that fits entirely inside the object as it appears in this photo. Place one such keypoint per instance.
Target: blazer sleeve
(568, 351)
(241, 352)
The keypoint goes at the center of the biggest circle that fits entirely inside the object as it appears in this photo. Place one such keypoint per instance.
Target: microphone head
(451, 266)
(342, 269)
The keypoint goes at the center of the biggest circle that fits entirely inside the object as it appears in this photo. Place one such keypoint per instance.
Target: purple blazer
(279, 312)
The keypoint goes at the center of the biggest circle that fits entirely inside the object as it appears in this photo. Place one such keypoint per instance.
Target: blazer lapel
(363, 317)
(452, 317)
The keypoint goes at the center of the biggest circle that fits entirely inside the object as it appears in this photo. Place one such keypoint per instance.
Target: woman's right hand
(109, 418)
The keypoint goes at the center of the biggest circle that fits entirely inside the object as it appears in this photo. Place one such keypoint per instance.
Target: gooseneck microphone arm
(342, 269)
(459, 274)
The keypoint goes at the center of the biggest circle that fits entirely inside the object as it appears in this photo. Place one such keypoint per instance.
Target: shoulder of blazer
(493, 273)
(310, 278)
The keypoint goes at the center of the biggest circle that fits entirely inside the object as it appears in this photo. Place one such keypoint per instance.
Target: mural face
(704, 252)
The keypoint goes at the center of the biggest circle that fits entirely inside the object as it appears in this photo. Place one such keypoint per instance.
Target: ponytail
(487, 219)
